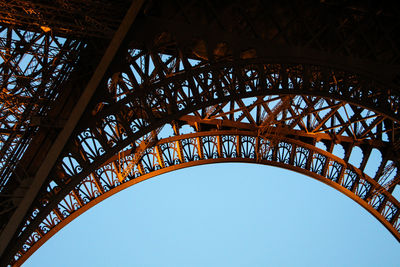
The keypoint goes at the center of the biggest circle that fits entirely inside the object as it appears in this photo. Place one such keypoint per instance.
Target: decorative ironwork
(33, 67)
(354, 182)
(250, 85)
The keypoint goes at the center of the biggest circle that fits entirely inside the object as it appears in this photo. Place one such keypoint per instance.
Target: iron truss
(34, 66)
(80, 19)
(311, 87)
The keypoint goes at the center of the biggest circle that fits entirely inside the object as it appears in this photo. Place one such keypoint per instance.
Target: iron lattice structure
(95, 100)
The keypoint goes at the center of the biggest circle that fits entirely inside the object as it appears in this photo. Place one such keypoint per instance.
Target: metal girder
(316, 33)
(134, 105)
(215, 146)
(33, 68)
(209, 66)
(217, 122)
(15, 221)
(80, 19)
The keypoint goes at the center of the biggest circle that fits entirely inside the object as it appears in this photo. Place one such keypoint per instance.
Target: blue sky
(223, 215)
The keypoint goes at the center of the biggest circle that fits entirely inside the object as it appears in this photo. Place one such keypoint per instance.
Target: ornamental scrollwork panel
(210, 147)
(128, 163)
(88, 189)
(266, 149)
(248, 147)
(389, 211)
(71, 166)
(51, 221)
(283, 152)
(334, 170)
(90, 145)
(349, 179)
(190, 148)
(113, 130)
(69, 204)
(363, 188)
(301, 157)
(318, 162)
(108, 177)
(229, 149)
(377, 200)
(170, 154)
(150, 161)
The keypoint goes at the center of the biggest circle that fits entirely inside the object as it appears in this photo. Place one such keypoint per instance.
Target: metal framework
(94, 101)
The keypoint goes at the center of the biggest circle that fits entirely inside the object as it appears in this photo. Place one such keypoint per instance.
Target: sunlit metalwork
(211, 147)
(311, 87)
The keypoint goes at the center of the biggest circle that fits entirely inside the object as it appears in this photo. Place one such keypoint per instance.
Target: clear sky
(223, 215)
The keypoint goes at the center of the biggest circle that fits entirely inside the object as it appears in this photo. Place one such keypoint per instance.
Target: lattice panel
(33, 66)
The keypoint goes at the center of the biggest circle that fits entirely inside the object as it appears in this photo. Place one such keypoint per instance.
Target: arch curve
(311, 80)
(298, 102)
(201, 148)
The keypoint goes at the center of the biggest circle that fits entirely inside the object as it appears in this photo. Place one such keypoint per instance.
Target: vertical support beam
(159, 156)
(355, 184)
(309, 159)
(219, 146)
(292, 154)
(238, 146)
(78, 198)
(180, 151)
(200, 147)
(118, 169)
(325, 167)
(97, 182)
(257, 149)
(380, 171)
(57, 147)
(366, 154)
(175, 127)
(140, 168)
(341, 174)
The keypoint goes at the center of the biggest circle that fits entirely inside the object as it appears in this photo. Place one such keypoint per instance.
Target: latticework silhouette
(99, 95)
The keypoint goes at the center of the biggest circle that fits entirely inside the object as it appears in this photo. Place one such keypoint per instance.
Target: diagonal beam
(285, 102)
(246, 111)
(373, 124)
(54, 152)
(309, 109)
(255, 104)
(329, 115)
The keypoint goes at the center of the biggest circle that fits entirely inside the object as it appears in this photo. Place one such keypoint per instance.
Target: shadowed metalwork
(311, 87)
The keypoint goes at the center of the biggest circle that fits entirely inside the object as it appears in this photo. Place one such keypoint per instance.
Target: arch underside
(208, 147)
(311, 86)
(241, 109)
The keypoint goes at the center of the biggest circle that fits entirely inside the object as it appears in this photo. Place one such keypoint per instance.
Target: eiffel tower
(99, 95)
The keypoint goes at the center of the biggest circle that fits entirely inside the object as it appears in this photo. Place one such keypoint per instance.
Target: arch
(298, 102)
(185, 71)
(194, 149)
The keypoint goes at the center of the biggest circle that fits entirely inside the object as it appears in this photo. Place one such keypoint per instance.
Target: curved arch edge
(155, 173)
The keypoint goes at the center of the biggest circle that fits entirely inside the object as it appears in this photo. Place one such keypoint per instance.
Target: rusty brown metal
(164, 157)
(306, 78)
